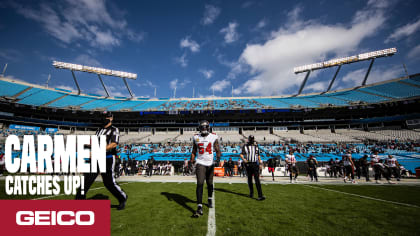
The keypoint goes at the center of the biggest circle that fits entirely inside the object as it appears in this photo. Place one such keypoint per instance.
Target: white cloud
(10, 55)
(75, 21)
(182, 60)
(377, 74)
(236, 67)
(247, 4)
(415, 52)
(66, 87)
(230, 33)
(147, 83)
(261, 24)
(319, 86)
(220, 85)
(114, 91)
(210, 14)
(404, 31)
(87, 60)
(303, 42)
(176, 83)
(207, 73)
(187, 42)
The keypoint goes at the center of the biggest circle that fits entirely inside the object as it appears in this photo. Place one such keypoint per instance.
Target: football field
(165, 208)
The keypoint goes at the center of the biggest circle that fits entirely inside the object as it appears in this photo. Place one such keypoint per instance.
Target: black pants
(348, 171)
(379, 170)
(358, 171)
(204, 172)
(293, 170)
(365, 172)
(108, 179)
(312, 173)
(150, 171)
(394, 171)
(253, 169)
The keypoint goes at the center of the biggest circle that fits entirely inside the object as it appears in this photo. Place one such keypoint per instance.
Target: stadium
(376, 117)
(308, 102)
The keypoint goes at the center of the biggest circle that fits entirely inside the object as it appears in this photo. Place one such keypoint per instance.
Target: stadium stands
(34, 95)
(10, 89)
(394, 90)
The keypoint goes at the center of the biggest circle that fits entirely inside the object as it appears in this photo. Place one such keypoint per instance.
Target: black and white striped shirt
(112, 136)
(251, 152)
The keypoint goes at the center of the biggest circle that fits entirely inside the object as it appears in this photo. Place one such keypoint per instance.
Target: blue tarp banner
(51, 130)
(23, 127)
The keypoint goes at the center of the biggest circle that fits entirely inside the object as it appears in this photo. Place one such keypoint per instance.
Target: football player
(312, 163)
(393, 167)
(348, 168)
(379, 168)
(205, 144)
(291, 166)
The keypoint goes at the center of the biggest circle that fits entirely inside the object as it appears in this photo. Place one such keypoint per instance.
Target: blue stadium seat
(149, 105)
(38, 97)
(326, 99)
(125, 105)
(71, 100)
(10, 89)
(272, 102)
(354, 95)
(298, 101)
(394, 90)
(100, 104)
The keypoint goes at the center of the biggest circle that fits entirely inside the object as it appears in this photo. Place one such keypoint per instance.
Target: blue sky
(210, 46)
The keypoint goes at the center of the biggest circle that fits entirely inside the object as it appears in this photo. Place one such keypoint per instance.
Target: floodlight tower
(341, 61)
(98, 71)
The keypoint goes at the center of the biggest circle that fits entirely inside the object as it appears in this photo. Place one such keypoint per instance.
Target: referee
(112, 136)
(251, 157)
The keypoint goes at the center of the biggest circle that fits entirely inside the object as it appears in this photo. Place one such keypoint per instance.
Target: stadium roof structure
(38, 96)
(95, 70)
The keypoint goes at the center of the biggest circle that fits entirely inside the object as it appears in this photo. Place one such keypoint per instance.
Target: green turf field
(166, 209)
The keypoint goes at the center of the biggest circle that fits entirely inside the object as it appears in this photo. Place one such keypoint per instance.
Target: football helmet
(204, 127)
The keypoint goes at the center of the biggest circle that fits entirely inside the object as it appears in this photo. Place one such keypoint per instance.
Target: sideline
(52, 196)
(362, 196)
(211, 223)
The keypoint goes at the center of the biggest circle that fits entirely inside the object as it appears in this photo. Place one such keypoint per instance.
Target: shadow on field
(181, 200)
(99, 197)
(227, 191)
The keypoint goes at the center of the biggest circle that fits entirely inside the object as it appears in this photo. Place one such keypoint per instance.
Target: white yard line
(211, 223)
(362, 196)
(52, 196)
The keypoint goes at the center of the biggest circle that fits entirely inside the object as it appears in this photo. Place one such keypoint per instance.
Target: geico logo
(54, 218)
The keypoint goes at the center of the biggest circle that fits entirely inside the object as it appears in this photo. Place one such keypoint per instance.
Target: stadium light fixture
(341, 61)
(96, 70)
(345, 60)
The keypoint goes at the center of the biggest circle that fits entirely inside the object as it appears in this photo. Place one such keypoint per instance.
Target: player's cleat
(210, 203)
(390, 182)
(122, 204)
(377, 181)
(251, 195)
(199, 211)
(262, 198)
(291, 181)
(345, 181)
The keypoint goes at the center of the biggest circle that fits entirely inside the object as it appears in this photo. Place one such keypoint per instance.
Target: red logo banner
(55, 217)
